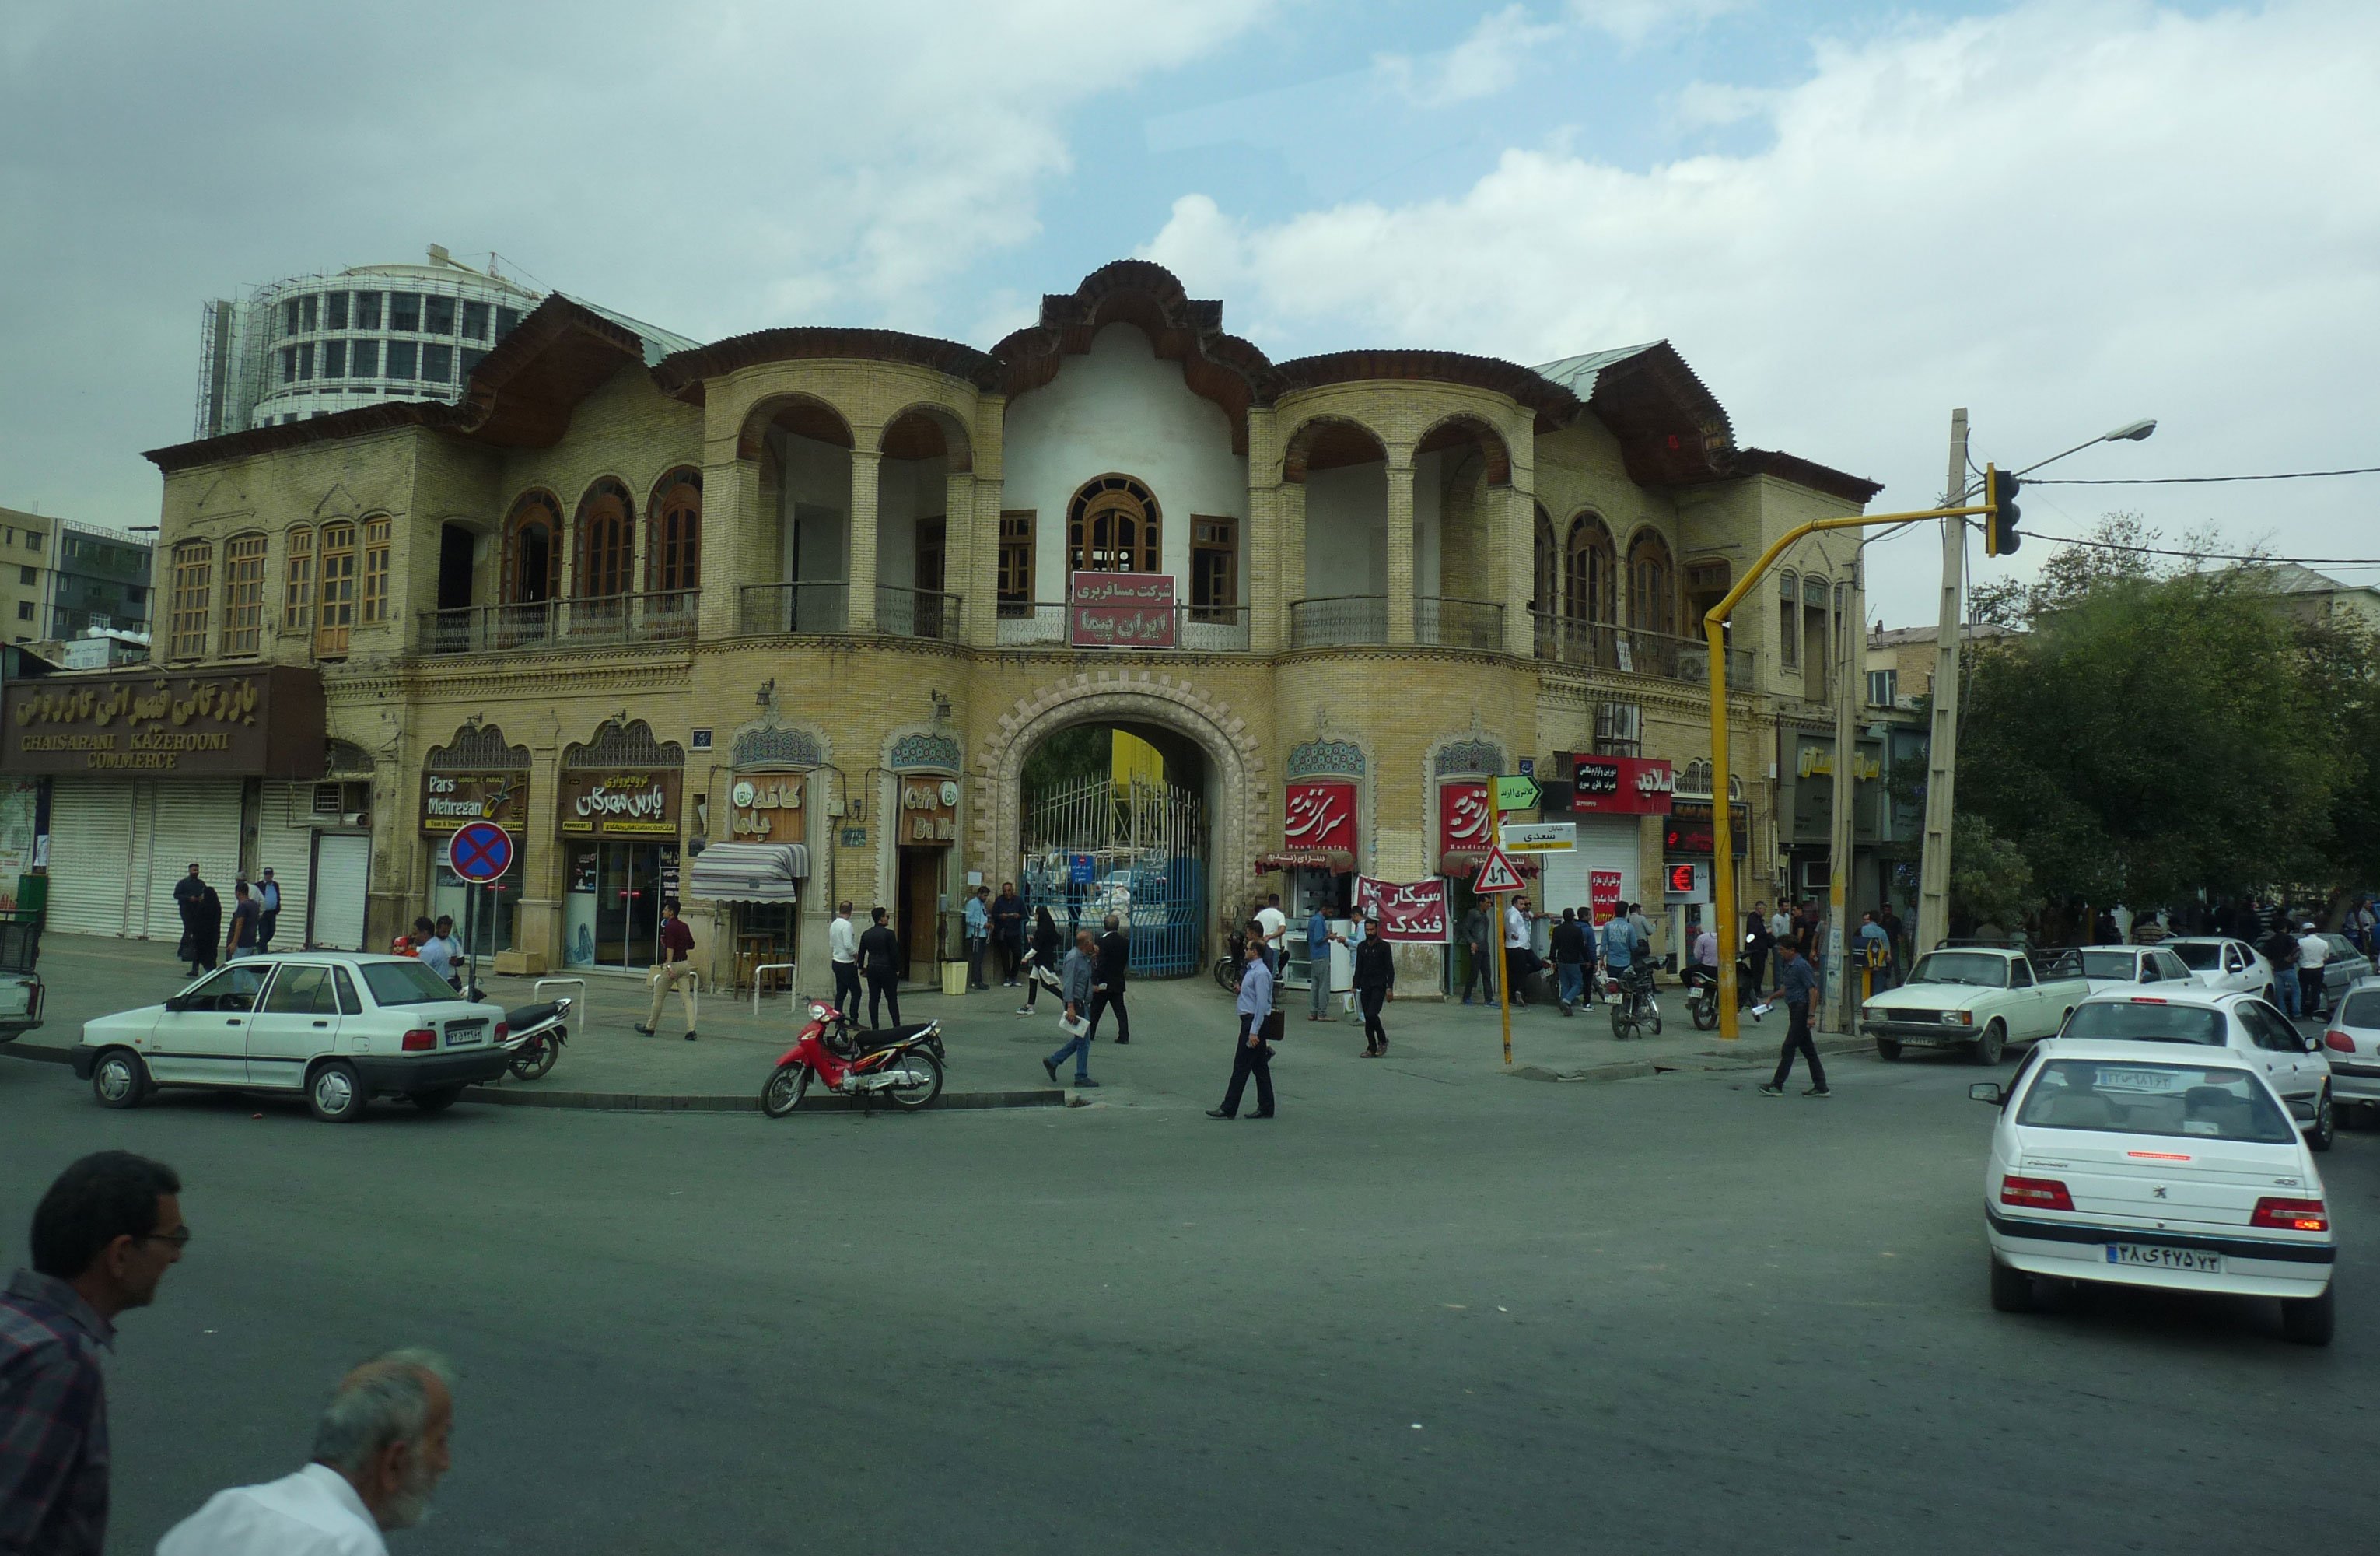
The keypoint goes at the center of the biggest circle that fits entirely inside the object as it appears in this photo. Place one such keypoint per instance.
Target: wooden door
(919, 913)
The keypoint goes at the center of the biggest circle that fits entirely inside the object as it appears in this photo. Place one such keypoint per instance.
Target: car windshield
(2199, 957)
(2360, 1009)
(1978, 968)
(2123, 1097)
(405, 983)
(2130, 1022)
(2109, 964)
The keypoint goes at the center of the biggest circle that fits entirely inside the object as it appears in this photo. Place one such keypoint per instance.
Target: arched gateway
(1230, 792)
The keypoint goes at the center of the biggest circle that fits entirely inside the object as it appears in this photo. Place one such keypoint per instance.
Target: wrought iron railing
(795, 607)
(617, 618)
(917, 613)
(1459, 623)
(1633, 650)
(1197, 629)
(1340, 621)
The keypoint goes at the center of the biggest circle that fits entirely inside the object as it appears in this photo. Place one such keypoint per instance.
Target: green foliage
(1070, 759)
(1990, 882)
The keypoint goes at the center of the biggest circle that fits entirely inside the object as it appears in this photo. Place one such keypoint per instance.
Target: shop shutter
(285, 843)
(1604, 843)
(90, 850)
(342, 880)
(186, 820)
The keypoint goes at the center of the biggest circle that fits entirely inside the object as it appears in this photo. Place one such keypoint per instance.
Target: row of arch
(1576, 575)
(601, 541)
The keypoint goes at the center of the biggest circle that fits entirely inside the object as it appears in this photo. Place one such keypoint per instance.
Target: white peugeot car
(339, 1029)
(2151, 1164)
(2123, 967)
(2220, 962)
(2297, 1065)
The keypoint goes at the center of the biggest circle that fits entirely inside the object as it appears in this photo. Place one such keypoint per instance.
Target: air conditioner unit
(326, 799)
(352, 819)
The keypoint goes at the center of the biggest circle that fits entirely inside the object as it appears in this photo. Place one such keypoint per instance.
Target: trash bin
(954, 978)
(33, 895)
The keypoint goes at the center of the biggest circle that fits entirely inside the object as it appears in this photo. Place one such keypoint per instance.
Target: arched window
(1652, 585)
(532, 559)
(1111, 527)
(606, 541)
(297, 580)
(376, 538)
(194, 572)
(334, 600)
(673, 538)
(243, 623)
(1588, 594)
(1788, 620)
(1545, 566)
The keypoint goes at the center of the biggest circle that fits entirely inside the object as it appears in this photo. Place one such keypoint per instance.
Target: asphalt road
(1658, 1315)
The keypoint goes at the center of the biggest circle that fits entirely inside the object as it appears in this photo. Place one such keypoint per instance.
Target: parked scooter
(901, 1065)
(538, 1033)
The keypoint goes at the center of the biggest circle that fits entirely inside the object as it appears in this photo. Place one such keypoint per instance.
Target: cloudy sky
(1849, 217)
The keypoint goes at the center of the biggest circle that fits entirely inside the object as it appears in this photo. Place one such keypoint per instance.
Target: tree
(1990, 882)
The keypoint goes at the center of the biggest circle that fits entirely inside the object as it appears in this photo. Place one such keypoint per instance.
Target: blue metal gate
(1136, 850)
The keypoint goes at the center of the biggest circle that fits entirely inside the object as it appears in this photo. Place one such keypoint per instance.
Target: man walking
(673, 971)
(1757, 941)
(2280, 948)
(1075, 981)
(1107, 992)
(979, 935)
(1376, 985)
(843, 957)
(103, 1236)
(1250, 1054)
(189, 897)
(1319, 937)
(1570, 959)
(268, 903)
(1478, 935)
(1008, 932)
(380, 1448)
(240, 940)
(880, 960)
(1794, 986)
(2313, 952)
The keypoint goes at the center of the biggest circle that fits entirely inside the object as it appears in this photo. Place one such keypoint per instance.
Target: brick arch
(1329, 433)
(811, 414)
(1459, 427)
(912, 432)
(995, 779)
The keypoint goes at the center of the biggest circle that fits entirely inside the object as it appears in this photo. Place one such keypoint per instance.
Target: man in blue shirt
(1251, 1055)
(978, 934)
(1795, 984)
(1318, 937)
(1874, 950)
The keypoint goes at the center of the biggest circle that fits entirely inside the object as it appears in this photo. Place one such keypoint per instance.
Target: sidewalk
(1180, 1055)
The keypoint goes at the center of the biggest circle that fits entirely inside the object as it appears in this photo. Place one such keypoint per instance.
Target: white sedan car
(340, 1030)
(2219, 963)
(2148, 1164)
(2295, 1065)
(2126, 967)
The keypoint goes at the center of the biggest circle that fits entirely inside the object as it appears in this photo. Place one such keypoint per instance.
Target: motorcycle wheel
(1705, 1011)
(924, 1072)
(1227, 975)
(1652, 1016)
(787, 1084)
(536, 1057)
(1623, 1025)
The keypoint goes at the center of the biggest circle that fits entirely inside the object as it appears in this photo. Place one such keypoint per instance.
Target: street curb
(1705, 1063)
(636, 1102)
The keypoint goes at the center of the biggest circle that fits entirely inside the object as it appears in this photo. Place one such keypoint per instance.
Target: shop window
(1214, 568)
(532, 560)
(606, 541)
(402, 355)
(368, 310)
(1017, 562)
(475, 321)
(243, 624)
(1111, 527)
(1588, 593)
(366, 359)
(297, 580)
(334, 358)
(1652, 585)
(673, 533)
(437, 316)
(1788, 620)
(375, 591)
(194, 569)
(405, 310)
(438, 364)
(334, 306)
(335, 604)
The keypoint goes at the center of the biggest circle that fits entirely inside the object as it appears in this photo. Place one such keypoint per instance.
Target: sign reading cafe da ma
(265, 723)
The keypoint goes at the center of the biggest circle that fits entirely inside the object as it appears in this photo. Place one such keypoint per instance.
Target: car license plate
(2139, 1080)
(2196, 1260)
(464, 1034)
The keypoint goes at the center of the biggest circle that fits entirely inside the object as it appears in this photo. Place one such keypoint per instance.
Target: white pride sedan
(339, 1029)
(2147, 1165)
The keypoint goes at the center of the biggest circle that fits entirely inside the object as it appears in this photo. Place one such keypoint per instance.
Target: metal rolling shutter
(286, 843)
(1604, 843)
(90, 854)
(342, 879)
(192, 820)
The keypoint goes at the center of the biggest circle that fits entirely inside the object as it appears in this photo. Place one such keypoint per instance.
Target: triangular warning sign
(1496, 875)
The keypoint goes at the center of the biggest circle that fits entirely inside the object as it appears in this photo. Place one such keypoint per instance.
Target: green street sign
(1517, 793)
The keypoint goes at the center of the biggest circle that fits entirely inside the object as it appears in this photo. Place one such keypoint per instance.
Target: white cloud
(1713, 104)
(2063, 217)
(1632, 21)
(1483, 65)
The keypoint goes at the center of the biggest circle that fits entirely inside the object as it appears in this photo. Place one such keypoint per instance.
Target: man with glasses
(103, 1237)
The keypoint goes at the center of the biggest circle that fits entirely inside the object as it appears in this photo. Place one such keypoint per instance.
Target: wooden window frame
(1652, 585)
(297, 580)
(335, 590)
(1014, 578)
(1108, 503)
(532, 507)
(1205, 547)
(1590, 594)
(243, 589)
(673, 533)
(194, 574)
(931, 544)
(377, 531)
(1788, 621)
(614, 565)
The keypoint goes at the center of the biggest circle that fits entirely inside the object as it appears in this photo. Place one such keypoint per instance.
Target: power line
(2208, 555)
(2195, 480)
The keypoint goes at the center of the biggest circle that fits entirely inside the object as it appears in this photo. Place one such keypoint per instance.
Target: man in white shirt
(843, 953)
(379, 1451)
(2313, 952)
(1274, 922)
(1520, 961)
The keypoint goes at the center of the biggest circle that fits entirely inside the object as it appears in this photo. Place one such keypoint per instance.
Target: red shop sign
(1121, 611)
(1410, 914)
(1317, 814)
(1463, 819)
(1603, 895)
(1620, 785)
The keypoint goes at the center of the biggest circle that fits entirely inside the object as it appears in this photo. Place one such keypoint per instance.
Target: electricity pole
(1942, 753)
(1850, 685)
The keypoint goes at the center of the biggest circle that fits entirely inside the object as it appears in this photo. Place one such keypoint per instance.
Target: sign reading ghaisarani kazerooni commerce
(263, 723)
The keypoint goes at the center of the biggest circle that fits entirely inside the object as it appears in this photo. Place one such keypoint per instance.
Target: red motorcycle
(901, 1065)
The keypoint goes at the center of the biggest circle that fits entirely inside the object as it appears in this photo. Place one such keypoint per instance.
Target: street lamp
(2131, 431)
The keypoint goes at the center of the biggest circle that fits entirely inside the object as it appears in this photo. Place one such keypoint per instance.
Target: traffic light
(2000, 538)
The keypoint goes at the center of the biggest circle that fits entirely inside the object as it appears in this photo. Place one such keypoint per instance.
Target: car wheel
(436, 1101)
(1987, 1049)
(119, 1079)
(2326, 1123)
(337, 1093)
(2308, 1320)
(2011, 1288)
(1886, 1048)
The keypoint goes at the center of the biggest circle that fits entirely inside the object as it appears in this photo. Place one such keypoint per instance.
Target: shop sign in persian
(766, 808)
(1603, 895)
(258, 724)
(930, 812)
(1412, 914)
(1620, 785)
(1318, 814)
(453, 800)
(620, 803)
(1463, 817)
(1121, 611)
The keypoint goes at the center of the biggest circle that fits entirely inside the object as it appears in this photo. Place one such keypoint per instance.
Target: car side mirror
(177, 1004)
(1986, 1091)
(2314, 1045)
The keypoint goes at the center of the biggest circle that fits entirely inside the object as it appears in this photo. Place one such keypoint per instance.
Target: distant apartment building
(24, 575)
(100, 581)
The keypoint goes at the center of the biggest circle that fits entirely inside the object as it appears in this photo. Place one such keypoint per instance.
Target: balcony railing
(1197, 629)
(1338, 621)
(795, 607)
(917, 613)
(560, 623)
(1632, 651)
(1459, 623)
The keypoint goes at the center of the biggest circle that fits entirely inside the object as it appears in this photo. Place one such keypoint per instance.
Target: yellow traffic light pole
(1723, 905)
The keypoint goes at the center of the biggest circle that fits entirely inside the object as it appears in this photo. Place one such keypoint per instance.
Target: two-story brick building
(804, 602)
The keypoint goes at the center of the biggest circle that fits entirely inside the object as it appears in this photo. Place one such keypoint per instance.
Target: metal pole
(470, 942)
(1851, 627)
(1942, 752)
(1498, 905)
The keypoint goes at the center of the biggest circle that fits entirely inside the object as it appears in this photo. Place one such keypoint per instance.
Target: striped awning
(749, 872)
